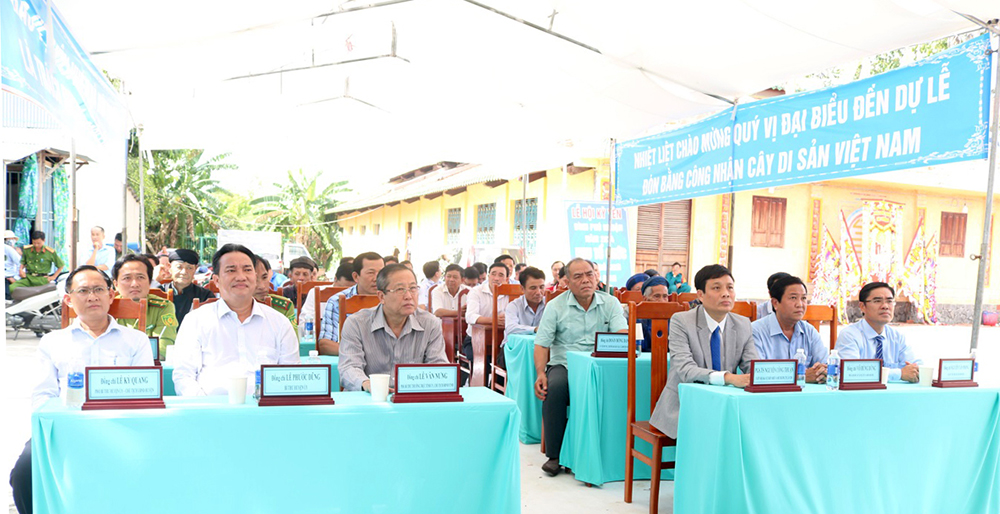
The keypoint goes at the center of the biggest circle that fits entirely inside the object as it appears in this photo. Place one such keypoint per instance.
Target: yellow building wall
(429, 218)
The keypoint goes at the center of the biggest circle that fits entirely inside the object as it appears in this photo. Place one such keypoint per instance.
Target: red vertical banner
(724, 214)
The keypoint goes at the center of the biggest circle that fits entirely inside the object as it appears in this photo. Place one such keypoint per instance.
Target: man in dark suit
(707, 345)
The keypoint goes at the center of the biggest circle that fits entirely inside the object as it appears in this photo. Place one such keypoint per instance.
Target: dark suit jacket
(691, 359)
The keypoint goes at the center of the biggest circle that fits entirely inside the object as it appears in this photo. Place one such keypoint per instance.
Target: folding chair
(121, 308)
(659, 315)
(629, 296)
(430, 298)
(302, 291)
(819, 313)
(166, 295)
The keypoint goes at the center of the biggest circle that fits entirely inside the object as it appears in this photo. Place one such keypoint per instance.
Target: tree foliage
(298, 211)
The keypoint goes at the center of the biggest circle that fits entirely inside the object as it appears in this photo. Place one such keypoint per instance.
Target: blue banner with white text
(588, 239)
(932, 112)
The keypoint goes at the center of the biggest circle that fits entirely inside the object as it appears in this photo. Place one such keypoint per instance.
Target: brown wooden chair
(462, 328)
(166, 295)
(302, 291)
(512, 292)
(430, 298)
(121, 308)
(352, 305)
(686, 297)
(213, 287)
(659, 315)
(819, 313)
(549, 295)
(322, 296)
(747, 309)
(198, 303)
(629, 296)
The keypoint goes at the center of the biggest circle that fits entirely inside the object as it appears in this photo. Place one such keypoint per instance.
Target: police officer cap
(181, 254)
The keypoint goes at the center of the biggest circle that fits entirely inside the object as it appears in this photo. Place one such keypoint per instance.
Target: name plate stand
(296, 384)
(124, 387)
(421, 383)
(773, 376)
(611, 344)
(955, 373)
(860, 374)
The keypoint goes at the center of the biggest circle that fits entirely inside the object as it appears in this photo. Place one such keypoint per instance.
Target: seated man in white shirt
(432, 277)
(523, 315)
(93, 339)
(445, 296)
(480, 308)
(233, 336)
(342, 278)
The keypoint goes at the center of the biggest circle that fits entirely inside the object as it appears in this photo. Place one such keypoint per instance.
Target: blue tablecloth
(203, 455)
(904, 449)
(519, 352)
(333, 360)
(595, 440)
(304, 348)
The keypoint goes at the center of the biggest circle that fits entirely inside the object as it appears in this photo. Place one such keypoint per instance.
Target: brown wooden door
(663, 236)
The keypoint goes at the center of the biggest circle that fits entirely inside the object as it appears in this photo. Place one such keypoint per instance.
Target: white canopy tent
(369, 89)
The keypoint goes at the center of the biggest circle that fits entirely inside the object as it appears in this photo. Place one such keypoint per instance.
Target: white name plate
(426, 383)
(305, 380)
(611, 344)
(772, 376)
(860, 374)
(122, 387)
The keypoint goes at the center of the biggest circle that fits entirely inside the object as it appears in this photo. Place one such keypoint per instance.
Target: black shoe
(552, 467)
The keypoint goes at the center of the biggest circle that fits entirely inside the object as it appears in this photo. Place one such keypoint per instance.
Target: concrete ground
(539, 492)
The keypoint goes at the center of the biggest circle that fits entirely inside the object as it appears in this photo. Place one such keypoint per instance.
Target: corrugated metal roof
(437, 181)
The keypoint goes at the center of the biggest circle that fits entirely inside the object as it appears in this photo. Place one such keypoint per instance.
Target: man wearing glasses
(394, 332)
(93, 339)
(873, 338)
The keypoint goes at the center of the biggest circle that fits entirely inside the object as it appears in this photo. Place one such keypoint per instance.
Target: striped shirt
(369, 346)
(330, 327)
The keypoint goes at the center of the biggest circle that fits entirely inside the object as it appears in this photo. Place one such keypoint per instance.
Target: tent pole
(74, 223)
(984, 250)
(611, 205)
(142, 192)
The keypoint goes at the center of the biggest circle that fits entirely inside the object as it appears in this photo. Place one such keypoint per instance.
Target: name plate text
(861, 371)
(124, 383)
(773, 372)
(295, 380)
(955, 370)
(154, 343)
(427, 379)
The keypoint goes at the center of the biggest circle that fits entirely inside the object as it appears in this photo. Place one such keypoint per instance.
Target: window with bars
(486, 222)
(350, 230)
(376, 228)
(364, 228)
(953, 234)
(526, 216)
(454, 225)
(767, 223)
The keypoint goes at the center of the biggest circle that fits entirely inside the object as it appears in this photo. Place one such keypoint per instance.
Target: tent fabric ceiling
(422, 81)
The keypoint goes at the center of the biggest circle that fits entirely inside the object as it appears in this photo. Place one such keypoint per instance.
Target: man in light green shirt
(569, 324)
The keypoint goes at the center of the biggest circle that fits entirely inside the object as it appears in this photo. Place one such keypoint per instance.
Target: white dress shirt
(716, 378)
(425, 287)
(213, 346)
(481, 304)
(117, 346)
(444, 300)
(309, 304)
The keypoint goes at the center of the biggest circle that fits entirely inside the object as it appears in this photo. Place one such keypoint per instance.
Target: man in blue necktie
(708, 345)
(873, 338)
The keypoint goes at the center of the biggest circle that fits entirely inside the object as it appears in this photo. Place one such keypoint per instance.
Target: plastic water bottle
(975, 364)
(833, 370)
(803, 361)
(256, 387)
(314, 357)
(75, 384)
(307, 335)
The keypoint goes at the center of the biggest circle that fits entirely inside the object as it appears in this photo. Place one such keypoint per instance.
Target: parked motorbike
(38, 309)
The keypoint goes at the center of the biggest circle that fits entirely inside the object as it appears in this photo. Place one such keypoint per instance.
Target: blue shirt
(771, 342)
(857, 341)
(105, 256)
(11, 262)
(278, 280)
(330, 326)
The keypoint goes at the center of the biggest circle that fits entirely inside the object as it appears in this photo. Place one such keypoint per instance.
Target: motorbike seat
(23, 293)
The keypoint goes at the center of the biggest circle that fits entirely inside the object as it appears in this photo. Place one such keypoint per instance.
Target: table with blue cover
(332, 360)
(201, 454)
(519, 352)
(904, 449)
(595, 440)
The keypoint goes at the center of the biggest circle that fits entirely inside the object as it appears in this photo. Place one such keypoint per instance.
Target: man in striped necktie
(873, 338)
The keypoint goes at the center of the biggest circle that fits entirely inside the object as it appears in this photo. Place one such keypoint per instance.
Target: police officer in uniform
(263, 290)
(131, 275)
(183, 264)
(37, 261)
